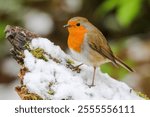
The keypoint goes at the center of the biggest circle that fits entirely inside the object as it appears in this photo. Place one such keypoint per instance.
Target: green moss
(39, 53)
(32, 96)
(51, 92)
(69, 61)
(26, 95)
(27, 46)
(142, 95)
(50, 84)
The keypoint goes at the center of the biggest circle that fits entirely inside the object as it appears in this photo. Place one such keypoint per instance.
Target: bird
(88, 45)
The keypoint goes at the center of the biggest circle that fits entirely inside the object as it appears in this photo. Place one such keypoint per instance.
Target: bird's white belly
(88, 58)
(79, 57)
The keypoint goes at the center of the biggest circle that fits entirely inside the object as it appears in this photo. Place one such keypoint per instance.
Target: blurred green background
(125, 24)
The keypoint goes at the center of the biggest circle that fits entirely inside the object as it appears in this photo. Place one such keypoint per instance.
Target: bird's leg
(93, 77)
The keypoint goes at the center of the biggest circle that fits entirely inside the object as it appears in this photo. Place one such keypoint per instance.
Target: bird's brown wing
(98, 42)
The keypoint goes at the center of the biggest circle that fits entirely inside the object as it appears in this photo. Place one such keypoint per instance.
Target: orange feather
(76, 36)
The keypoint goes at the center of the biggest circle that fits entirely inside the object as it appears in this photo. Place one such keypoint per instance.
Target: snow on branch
(48, 73)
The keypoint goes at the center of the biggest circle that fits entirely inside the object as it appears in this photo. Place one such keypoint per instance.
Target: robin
(89, 46)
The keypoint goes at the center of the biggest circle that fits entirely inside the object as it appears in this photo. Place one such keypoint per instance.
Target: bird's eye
(78, 24)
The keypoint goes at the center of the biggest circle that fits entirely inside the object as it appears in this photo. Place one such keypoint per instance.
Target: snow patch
(68, 84)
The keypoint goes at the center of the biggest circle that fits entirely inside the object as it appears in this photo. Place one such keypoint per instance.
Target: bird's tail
(122, 64)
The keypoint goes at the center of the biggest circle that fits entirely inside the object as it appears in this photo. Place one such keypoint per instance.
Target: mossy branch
(20, 39)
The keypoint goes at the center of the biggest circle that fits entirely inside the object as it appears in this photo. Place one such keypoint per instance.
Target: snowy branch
(48, 73)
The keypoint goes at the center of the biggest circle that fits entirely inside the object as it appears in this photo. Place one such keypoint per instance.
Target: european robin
(89, 46)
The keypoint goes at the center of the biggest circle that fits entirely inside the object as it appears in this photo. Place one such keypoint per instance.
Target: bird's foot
(91, 85)
(74, 68)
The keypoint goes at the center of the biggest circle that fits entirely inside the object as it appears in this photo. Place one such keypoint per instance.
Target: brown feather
(121, 63)
(98, 42)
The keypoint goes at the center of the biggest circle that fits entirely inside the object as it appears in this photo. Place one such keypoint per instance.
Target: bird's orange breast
(76, 38)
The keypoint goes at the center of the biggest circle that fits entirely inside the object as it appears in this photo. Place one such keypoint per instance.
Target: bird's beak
(66, 26)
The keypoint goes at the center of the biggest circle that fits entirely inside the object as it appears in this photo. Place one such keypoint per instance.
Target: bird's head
(78, 25)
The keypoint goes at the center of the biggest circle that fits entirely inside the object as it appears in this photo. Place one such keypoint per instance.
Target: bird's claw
(74, 68)
(90, 86)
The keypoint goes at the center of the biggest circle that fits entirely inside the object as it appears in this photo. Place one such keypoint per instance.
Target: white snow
(68, 84)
